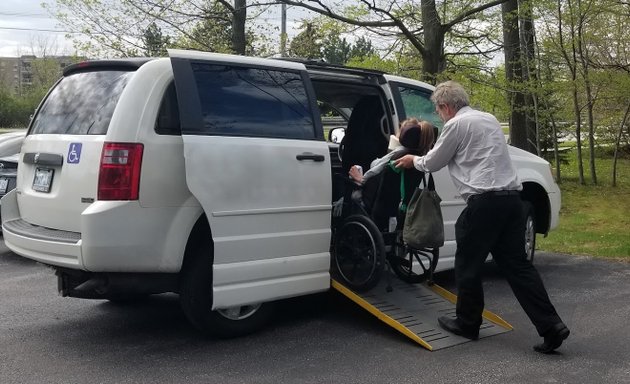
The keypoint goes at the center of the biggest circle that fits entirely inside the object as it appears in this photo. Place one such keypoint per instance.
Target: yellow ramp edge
(441, 302)
(383, 317)
(448, 295)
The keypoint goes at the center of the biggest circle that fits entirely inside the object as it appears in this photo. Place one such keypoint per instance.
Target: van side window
(167, 122)
(239, 101)
(417, 103)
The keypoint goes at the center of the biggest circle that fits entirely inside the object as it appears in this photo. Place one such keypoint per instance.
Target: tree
(617, 141)
(212, 33)
(336, 50)
(324, 38)
(120, 27)
(530, 76)
(422, 27)
(307, 44)
(583, 52)
(560, 25)
(154, 41)
(586, 48)
(514, 74)
(362, 48)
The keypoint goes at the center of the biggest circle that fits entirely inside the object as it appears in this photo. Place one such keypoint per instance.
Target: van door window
(238, 101)
(416, 102)
(81, 104)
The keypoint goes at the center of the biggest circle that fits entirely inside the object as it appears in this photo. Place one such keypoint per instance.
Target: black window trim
(156, 129)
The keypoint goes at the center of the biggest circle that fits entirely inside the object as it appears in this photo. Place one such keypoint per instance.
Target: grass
(594, 219)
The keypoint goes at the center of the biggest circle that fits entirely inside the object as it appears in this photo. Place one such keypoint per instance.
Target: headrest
(410, 136)
(393, 143)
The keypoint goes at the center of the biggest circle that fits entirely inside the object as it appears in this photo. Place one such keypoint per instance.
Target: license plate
(4, 183)
(43, 180)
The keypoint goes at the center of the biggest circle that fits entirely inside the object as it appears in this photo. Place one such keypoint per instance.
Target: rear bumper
(22, 239)
(50, 252)
(118, 236)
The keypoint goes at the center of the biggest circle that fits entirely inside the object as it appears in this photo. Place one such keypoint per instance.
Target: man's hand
(404, 162)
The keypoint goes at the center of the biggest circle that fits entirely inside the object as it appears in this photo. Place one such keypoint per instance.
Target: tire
(402, 269)
(530, 231)
(196, 300)
(359, 253)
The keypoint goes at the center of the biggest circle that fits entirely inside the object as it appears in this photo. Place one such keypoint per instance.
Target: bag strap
(402, 206)
(431, 185)
(423, 181)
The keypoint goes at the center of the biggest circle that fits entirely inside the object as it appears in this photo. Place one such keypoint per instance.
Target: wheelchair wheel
(359, 253)
(426, 262)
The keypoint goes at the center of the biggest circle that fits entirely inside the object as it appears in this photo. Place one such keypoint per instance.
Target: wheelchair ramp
(413, 309)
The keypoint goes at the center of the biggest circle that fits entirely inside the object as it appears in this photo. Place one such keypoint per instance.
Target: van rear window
(81, 104)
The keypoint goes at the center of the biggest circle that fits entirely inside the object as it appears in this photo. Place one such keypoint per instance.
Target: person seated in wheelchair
(414, 137)
(368, 226)
(382, 189)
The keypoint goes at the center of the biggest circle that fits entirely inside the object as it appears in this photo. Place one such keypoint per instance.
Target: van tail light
(119, 173)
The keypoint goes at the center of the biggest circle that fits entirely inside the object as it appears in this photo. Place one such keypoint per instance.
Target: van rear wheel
(196, 301)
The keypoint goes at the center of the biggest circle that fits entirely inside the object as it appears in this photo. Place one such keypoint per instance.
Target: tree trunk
(576, 100)
(514, 74)
(433, 60)
(617, 141)
(239, 16)
(556, 155)
(583, 53)
(529, 75)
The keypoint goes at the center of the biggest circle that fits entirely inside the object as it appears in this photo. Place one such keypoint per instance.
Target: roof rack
(321, 64)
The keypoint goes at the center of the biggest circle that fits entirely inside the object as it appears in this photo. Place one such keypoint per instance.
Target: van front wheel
(196, 301)
(530, 231)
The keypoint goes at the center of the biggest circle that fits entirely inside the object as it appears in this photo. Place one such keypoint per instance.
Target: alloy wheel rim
(239, 312)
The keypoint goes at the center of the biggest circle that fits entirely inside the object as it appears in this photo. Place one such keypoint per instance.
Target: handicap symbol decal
(74, 153)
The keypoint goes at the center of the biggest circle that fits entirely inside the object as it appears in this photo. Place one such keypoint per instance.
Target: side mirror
(335, 135)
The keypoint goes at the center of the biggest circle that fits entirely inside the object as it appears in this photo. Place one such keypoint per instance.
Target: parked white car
(209, 175)
(11, 142)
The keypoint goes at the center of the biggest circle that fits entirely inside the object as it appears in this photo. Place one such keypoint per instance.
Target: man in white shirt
(473, 146)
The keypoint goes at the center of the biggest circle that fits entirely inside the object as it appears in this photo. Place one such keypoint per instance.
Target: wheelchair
(367, 236)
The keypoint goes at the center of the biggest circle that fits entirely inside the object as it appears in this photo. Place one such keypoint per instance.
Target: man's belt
(489, 194)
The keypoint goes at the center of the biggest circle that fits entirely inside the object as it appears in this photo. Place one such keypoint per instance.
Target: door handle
(310, 156)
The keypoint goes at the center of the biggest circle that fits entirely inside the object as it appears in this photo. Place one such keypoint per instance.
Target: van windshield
(81, 104)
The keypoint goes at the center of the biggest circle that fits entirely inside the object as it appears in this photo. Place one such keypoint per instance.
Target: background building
(17, 73)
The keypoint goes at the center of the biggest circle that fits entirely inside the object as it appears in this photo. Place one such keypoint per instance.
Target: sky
(24, 25)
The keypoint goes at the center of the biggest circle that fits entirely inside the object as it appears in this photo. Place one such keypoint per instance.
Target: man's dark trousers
(496, 224)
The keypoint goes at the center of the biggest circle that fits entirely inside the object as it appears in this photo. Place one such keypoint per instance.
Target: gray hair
(450, 93)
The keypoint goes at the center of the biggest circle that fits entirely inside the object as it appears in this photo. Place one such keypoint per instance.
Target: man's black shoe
(453, 326)
(553, 338)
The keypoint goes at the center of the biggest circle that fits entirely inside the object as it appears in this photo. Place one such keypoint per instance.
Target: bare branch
(326, 11)
(471, 12)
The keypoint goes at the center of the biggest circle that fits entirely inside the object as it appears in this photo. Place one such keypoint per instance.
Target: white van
(209, 175)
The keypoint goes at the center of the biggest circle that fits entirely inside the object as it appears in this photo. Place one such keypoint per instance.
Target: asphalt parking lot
(316, 339)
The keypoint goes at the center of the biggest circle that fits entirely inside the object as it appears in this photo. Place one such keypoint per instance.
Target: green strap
(403, 206)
